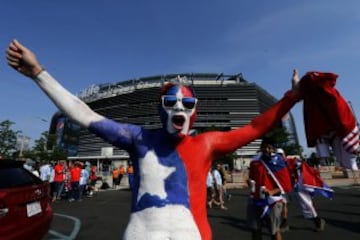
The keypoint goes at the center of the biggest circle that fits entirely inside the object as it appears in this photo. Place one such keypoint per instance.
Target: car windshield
(16, 177)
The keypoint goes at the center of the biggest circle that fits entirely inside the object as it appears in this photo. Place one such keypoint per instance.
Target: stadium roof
(105, 90)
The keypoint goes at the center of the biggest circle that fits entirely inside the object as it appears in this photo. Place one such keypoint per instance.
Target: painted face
(178, 110)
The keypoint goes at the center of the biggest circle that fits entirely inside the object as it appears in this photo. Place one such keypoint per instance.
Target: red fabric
(325, 110)
(260, 175)
(283, 176)
(292, 164)
(219, 142)
(311, 176)
(59, 173)
(93, 173)
(224, 142)
(75, 173)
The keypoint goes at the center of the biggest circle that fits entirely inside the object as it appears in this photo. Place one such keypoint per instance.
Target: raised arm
(225, 142)
(24, 61)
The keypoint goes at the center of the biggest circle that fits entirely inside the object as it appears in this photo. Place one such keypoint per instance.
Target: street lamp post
(24, 143)
(46, 139)
(22, 139)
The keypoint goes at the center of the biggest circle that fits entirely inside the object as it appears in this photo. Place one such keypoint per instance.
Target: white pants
(306, 204)
(345, 159)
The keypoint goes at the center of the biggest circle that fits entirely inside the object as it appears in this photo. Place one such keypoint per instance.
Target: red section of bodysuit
(198, 153)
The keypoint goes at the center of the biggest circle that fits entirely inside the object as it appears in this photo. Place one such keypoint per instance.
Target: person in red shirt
(59, 179)
(122, 171)
(93, 179)
(115, 175)
(75, 173)
(130, 172)
(307, 182)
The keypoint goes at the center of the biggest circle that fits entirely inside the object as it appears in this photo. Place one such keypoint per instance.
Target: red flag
(326, 111)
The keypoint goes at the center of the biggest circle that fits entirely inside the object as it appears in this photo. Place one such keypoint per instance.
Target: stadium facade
(225, 102)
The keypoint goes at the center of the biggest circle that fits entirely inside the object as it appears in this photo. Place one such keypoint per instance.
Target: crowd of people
(216, 187)
(67, 180)
(274, 178)
(119, 172)
(73, 180)
(117, 175)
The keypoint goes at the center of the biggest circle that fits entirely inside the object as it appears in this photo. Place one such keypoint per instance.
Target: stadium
(224, 102)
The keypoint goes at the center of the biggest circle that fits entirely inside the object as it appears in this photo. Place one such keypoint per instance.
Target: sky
(91, 42)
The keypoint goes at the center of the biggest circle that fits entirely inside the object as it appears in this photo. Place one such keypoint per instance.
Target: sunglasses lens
(169, 101)
(189, 103)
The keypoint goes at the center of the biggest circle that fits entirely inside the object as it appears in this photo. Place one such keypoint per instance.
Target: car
(25, 203)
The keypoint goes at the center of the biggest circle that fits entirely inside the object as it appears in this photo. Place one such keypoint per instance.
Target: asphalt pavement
(105, 216)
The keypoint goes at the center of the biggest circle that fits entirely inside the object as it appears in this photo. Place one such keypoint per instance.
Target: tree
(279, 137)
(8, 139)
(227, 159)
(41, 148)
(41, 143)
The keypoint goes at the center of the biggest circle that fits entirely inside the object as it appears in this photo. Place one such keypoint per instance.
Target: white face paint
(179, 117)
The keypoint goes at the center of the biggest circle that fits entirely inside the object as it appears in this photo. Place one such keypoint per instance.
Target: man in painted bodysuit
(170, 166)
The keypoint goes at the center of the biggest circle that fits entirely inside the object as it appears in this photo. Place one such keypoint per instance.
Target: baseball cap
(280, 151)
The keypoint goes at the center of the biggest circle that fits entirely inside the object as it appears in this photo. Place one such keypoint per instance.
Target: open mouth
(178, 122)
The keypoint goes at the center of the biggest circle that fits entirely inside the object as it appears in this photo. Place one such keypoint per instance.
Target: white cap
(280, 151)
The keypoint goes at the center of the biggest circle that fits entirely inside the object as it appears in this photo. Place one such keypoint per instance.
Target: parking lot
(105, 216)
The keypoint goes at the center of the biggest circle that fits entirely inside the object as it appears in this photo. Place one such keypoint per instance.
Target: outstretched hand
(22, 59)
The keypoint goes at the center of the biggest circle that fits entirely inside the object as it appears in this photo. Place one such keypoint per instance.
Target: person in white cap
(302, 192)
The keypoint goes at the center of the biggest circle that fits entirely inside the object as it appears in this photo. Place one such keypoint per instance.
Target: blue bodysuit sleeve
(118, 134)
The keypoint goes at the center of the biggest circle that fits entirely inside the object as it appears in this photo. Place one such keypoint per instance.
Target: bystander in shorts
(272, 220)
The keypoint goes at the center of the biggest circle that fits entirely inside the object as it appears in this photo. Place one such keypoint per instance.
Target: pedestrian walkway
(337, 182)
(336, 179)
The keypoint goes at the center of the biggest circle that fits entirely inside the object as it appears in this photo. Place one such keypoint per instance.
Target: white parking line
(74, 233)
